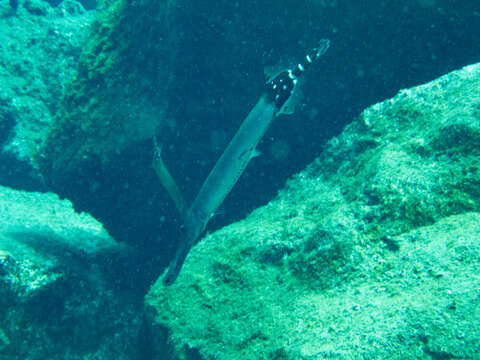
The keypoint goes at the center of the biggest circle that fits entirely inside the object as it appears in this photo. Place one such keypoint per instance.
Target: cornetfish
(275, 98)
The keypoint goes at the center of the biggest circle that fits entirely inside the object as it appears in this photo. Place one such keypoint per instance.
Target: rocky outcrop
(39, 50)
(57, 285)
(117, 98)
(369, 253)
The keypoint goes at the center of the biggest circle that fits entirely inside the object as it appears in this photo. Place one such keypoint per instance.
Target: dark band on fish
(281, 87)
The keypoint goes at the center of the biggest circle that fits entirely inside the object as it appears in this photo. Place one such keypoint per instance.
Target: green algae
(38, 55)
(117, 97)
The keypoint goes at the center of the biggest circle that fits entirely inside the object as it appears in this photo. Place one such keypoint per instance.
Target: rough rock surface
(33, 84)
(39, 49)
(117, 98)
(370, 253)
(56, 291)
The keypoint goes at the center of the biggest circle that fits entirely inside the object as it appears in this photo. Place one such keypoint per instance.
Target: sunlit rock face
(373, 247)
(57, 283)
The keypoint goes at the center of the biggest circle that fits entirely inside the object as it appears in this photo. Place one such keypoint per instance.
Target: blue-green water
(83, 92)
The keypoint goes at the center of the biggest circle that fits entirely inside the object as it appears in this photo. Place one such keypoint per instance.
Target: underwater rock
(117, 97)
(55, 287)
(38, 57)
(369, 253)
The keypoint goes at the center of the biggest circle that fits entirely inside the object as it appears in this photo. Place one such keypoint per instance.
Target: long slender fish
(275, 98)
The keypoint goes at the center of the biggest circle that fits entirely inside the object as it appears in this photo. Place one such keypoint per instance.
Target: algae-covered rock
(39, 49)
(117, 98)
(40, 237)
(55, 287)
(370, 253)
(38, 56)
